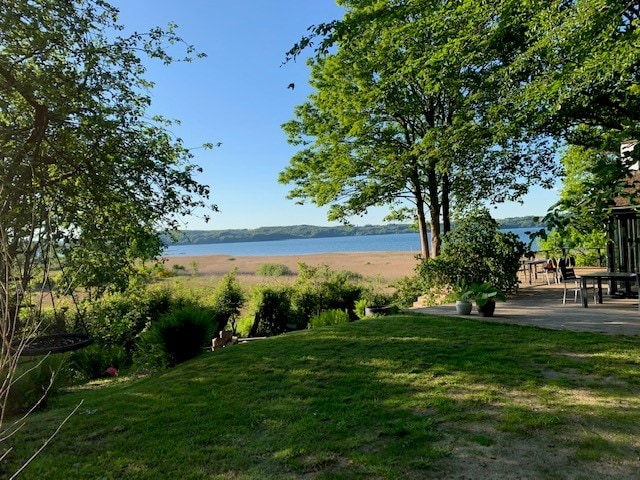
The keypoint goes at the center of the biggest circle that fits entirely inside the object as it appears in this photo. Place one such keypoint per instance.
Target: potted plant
(464, 296)
(485, 296)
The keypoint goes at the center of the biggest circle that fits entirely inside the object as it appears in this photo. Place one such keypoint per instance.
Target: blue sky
(238, 95)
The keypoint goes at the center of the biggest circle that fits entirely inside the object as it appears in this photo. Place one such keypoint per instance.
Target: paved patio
(541, 306)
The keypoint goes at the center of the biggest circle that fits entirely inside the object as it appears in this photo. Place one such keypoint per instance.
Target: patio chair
(568, 276)
(551, 267)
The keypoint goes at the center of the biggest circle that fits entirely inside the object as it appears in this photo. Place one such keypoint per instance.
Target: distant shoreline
(298, 232)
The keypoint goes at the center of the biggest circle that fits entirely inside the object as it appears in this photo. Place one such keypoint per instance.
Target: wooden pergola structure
(623, 247)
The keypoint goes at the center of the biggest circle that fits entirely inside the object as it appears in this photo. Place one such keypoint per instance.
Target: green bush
(359, 307)
(183, 332)
(319, 288)
(272, 311)
(244, 324)
(407, 291)
(273, 270)
(35, 382)
(475, 252)
(92, 362)
(228, 300)
(150, 353)
(329, 317)
(117, 319)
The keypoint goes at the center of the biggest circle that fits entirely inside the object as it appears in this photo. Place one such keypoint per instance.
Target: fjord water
(400, 242)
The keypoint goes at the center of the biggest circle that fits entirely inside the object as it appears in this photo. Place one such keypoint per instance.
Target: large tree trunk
(422, 228)
(434, 211)
(446, 216)
(418, 196)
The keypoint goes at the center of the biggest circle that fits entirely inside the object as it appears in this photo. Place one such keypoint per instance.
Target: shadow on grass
(384, 398)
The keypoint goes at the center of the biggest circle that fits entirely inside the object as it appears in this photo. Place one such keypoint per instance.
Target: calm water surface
(404, 242)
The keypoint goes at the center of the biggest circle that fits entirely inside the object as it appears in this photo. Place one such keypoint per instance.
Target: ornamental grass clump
(178, 336)
(329, 317)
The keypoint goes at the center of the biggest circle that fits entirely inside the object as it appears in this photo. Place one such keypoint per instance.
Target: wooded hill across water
(310, 231)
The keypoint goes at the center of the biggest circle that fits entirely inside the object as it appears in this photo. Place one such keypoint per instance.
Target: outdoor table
(532, 264)
(599, 276)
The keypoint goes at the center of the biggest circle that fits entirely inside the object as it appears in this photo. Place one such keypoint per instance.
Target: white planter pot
(463, 308)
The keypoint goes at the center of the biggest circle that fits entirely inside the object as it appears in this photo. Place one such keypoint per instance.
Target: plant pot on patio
(487, 309)
(463, 307)
(485, 295)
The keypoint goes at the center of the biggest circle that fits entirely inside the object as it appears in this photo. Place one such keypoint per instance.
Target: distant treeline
(307, 231)
(521, 222)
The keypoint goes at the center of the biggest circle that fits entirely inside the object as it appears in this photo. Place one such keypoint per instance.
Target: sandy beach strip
(387, 265)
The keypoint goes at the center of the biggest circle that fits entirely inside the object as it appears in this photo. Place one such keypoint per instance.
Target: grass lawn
(407, 396)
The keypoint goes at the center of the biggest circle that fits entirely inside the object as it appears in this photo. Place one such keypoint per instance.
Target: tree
(576, 75)
(398, 116)
(87, 180)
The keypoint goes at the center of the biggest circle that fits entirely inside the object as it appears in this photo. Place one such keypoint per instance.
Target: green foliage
(92, 362)
(407, 291)
(329, 317)
(228, 300)
(194, 268)
(273, 270)
(244, 324)
(482, 293)
(402, 114)
(35, 382)
(319, 288)
(360, 308)
(150, 353)
(183, 332)
(376, 298)
(588, 249)
(100, 177)
(575, 221)
(476, 252)
(321, 396)
(272, 310)
(117, 319)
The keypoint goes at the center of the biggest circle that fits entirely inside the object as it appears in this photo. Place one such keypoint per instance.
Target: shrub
(177, 269)
(244, 324)
(329, 317)
(319, 288)
(35, 382)
(183, 332)
(92, 362)
(359, 307)
(375, 298)
(475, 252)
(150, 353)
(117, 319)
(272, 311)
(407, 291)
(273, 270)
(228, 300)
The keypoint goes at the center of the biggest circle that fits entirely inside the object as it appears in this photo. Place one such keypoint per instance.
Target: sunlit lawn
(399, 397)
